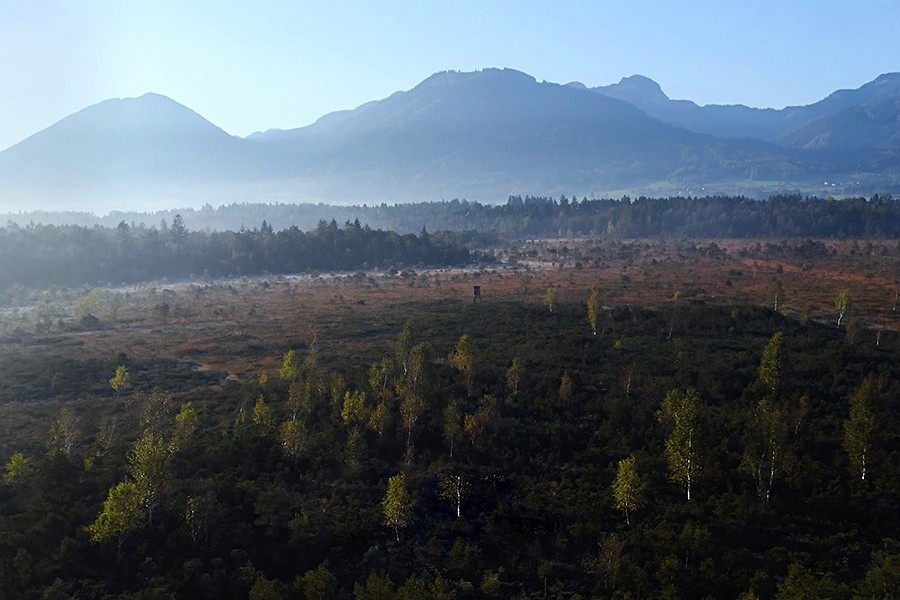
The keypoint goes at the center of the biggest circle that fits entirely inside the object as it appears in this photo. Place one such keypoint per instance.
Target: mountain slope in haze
(847, 121)
(863, 130)
(480, 135)
(873, 125)
(119, 145)
(725, 121)
(882, 88)
(493, 132)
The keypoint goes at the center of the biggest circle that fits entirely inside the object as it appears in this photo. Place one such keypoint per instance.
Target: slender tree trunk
(759, 476)
(690, 464)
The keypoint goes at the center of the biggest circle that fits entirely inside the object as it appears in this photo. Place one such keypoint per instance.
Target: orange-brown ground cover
(241, 328)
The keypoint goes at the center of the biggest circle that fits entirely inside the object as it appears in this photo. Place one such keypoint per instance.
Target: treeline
(536, 216)
(709, 217)
(689, 452)
(43, 255)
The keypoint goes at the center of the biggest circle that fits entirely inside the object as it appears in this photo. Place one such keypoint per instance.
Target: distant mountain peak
(644, 85)
(488, 74)
(479, 134)
(146, 101)
(636, 89)
(152, 96)
(148, 114)
(125, 142)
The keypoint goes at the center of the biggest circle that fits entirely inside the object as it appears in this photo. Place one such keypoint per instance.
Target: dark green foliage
(317, 584)
(241, 517)
(128, 253)
(536, 216)
(45, 255)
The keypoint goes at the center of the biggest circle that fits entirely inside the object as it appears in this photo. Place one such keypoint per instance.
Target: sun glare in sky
(249, 67)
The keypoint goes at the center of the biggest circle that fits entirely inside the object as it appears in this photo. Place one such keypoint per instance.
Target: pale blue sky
(249, 66)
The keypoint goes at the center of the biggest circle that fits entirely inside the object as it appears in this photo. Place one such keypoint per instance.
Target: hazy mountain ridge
(728, 121)
(868, 127)
(482, 135)
(792, 126)
(111, 139)
(496, 132)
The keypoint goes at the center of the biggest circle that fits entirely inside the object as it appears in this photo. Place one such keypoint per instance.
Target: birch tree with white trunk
(680, 412)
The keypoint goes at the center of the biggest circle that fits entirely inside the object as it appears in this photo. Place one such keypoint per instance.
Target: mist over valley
(480, 136)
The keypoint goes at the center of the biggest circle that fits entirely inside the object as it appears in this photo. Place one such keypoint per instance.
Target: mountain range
(479, 135)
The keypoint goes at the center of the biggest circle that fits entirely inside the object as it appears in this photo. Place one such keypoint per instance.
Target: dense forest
(502, 449)
(535, 216)
(75, 254)
(731, 217)
(48, 255)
